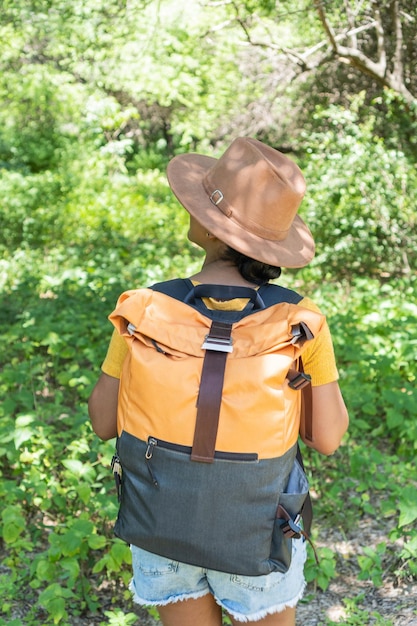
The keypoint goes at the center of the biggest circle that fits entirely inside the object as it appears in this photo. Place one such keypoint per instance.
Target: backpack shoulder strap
(177, 288)
(273, 294)
(268, 295)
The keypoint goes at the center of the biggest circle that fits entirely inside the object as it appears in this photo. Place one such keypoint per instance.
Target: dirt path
(349, 600)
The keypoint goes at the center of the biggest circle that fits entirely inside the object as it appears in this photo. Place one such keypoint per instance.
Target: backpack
(208, 420)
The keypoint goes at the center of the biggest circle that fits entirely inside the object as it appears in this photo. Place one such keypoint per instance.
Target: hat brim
(185, 175)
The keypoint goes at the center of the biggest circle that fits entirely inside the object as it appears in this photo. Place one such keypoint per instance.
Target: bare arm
(102, 406)
(330, 418)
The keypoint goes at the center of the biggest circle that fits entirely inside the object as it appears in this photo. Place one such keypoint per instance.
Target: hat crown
(257, 187)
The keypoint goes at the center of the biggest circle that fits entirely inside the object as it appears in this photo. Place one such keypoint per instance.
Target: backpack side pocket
(286, 527)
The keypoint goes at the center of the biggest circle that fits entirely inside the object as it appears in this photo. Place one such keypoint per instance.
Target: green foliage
(378, 331)
(372, 329)
(68, 560)
(371, 565)
(323, 571)
(118, 618)
(361, 198)
(356, 616)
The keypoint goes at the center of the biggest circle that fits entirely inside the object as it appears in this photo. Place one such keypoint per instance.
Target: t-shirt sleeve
(117, 350)
(318, 357)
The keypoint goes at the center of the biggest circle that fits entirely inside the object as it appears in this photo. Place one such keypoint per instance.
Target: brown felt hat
(248, 198)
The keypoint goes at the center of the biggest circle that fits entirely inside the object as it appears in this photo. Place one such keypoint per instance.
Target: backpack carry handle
(225, 292)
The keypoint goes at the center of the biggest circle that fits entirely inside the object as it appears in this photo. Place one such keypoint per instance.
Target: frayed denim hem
(170, 600)
(255, 617)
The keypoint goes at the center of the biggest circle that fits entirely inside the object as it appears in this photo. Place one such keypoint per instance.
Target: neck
(219, 272)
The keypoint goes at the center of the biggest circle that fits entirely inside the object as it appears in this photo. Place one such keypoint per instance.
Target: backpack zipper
(175, 447)
(152, 442)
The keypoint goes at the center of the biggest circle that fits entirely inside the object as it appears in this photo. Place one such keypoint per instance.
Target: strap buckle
(300, 333)
(291, 529)
(300, 381)
(216, 197)
(219, 344)
(219, 338)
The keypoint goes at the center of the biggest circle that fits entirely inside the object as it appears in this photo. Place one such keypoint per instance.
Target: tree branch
(398, 57)
(351, 21)
(380, 37)
(391, 76)
(377, 69)
(326, 24)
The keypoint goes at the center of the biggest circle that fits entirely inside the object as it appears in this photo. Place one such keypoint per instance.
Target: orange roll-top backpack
(208, 422)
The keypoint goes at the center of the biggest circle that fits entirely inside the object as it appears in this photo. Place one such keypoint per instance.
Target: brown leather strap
(217, 346)
(300, 381)
(307, 510)
(306, 406)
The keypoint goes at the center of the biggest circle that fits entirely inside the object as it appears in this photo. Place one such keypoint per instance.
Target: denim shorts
(159, 581)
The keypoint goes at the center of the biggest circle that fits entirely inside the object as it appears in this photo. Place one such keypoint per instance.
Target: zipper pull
(117, 473)
(152, 442)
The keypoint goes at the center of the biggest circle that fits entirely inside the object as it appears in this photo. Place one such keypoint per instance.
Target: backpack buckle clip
(219, 344)
(289, 526)
(300, 381)
(290, 529)
(219, 338)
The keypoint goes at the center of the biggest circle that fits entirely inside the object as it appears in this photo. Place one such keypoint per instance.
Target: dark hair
(250, 269)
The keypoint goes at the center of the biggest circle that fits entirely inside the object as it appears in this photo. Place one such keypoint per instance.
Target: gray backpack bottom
(220, 515)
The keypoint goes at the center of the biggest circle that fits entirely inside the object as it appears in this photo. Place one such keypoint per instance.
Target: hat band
(218, 200)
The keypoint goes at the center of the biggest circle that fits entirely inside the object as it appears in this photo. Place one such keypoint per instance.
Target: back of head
(250, 269)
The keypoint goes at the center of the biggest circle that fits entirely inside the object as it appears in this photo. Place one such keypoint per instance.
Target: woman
(243, 214)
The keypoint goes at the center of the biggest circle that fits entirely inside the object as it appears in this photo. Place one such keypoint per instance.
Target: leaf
(22, 431)
(56, 608)
(410, 549)
(121, 553)
(72, 567)
(323, 581)
(55, 590)
(74, 465)
(13, 523)
(83, 526)
(22, 435)
(96, 542)
(100, 565)
(84, 492)
(408, 506)
(46, 570)
(71, 543)
(80, 469)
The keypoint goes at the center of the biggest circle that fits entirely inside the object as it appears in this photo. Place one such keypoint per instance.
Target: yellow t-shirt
(318, 358)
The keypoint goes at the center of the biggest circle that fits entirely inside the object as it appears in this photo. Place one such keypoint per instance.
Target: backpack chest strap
(218, 344)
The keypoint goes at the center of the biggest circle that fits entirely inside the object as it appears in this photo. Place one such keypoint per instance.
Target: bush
(360, 200)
